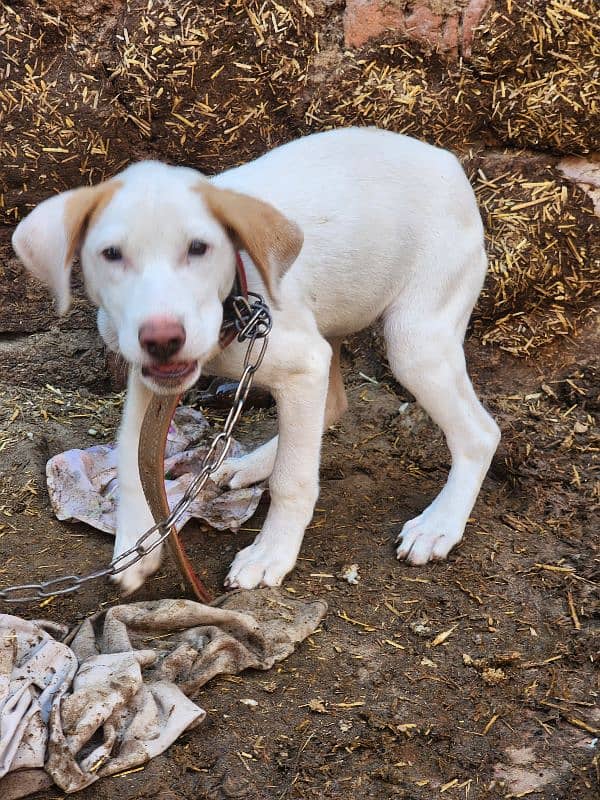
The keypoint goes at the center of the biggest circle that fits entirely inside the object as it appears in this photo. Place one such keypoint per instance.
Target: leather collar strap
(239, 289)
(151, 451)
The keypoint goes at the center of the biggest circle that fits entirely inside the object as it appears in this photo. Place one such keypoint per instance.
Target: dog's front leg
(294, 484)
(133, 514)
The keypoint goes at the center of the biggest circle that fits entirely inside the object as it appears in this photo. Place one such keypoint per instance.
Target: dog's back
(382, 214)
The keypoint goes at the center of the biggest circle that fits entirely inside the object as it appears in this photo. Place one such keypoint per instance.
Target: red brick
(445, 26)
(368, 19)
(472, 16)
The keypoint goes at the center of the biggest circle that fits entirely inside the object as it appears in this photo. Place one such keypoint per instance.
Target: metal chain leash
(252, 321)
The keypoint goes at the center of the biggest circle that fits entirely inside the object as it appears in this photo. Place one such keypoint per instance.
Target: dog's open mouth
(172, 373)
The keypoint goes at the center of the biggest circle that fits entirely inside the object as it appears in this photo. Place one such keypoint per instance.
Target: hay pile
(540, 63)
(83, 93)
(533, 80)
(543, 248)
(182, 81)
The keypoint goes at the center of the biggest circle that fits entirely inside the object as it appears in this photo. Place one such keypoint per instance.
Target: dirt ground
(473, 678)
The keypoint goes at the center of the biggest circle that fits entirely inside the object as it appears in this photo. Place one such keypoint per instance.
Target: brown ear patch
(272, 241)
(81, 209)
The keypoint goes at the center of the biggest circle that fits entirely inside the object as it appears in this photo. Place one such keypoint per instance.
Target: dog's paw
(238, 473)
(259, 565)
(428, 537)
(133, 577)
(228, 475)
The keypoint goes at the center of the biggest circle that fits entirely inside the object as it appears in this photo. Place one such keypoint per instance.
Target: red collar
(240, 289)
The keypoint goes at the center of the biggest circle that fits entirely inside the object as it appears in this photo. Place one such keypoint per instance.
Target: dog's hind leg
(430, 363)
(337, 402)
(258, 465)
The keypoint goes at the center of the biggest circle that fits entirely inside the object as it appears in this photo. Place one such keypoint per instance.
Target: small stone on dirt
(349, 573)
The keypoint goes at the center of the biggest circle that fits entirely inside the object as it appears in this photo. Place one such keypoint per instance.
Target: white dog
(339, 229)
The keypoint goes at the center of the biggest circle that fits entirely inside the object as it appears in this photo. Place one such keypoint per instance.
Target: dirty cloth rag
(82, 484)
(123, 689)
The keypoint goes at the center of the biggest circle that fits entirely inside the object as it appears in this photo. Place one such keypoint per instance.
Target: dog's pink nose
(162, 337)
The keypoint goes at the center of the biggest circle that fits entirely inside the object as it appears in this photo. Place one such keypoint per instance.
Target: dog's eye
(197, 248)
(112, 254)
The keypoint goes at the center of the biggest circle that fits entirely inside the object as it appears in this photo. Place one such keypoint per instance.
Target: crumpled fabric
(83, 485)
(124, 689)
(35, 671)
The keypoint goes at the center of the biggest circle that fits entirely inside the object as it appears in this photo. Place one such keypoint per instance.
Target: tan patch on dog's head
(81, 209)
(272, 241)
(48, 238)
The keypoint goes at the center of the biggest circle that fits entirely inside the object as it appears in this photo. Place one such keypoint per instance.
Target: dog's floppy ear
(271, 240)
(47, 240)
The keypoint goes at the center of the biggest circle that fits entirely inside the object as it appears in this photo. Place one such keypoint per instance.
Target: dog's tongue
(172, 369)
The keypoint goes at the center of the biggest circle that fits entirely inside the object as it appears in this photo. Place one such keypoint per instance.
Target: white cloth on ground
(82, 484)
(120, 693)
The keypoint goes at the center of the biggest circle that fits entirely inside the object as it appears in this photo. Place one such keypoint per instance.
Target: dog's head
(157, 246)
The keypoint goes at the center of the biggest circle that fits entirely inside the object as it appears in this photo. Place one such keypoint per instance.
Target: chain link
(251, 319)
